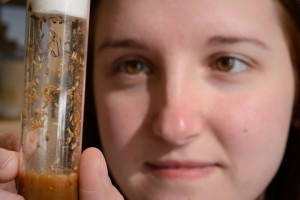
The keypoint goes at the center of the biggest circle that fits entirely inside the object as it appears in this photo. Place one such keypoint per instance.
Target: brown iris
(225, 64)
(133, 67)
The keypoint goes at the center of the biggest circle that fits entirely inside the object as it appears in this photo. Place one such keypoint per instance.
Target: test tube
(53, 98)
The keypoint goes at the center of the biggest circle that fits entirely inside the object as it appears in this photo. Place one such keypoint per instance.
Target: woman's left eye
(133, 67)
(228, 64)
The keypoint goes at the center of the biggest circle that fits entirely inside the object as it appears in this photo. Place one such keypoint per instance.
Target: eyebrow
(223, 40)
(215, 40)
(122, 43)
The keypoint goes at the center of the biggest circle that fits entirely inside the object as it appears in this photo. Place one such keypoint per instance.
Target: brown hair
(289, 16)
(286, 183)
(90, 126)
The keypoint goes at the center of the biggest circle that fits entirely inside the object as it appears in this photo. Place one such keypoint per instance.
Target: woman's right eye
(133, 67)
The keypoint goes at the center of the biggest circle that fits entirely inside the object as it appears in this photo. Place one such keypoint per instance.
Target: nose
(176, 126)
(178, 120)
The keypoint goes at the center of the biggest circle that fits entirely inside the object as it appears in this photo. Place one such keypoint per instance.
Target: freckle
(245, 130)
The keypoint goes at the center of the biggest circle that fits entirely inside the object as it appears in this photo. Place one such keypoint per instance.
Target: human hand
(94, 182)
(9, 159)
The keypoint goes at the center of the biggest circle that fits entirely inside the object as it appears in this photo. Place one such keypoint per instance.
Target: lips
(171, 169)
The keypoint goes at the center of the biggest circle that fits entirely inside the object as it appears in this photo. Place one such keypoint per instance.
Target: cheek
(253, 131)
(254, 121)
(121, 116)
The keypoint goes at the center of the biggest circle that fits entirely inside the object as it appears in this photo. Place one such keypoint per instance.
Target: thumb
(94, 182)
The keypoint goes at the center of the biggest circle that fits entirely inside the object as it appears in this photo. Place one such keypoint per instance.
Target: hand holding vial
(94, 181)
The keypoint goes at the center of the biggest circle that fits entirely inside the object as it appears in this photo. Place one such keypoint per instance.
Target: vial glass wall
(53, 98)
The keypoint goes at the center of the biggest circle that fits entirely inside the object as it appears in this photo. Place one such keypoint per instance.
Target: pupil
(133, 67)
(226, 64)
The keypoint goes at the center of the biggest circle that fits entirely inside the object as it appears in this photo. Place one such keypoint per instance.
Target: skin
(167, 97)
(186, 109)
(94, 183)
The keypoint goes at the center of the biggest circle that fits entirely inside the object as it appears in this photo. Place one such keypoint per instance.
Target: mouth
(189, 170)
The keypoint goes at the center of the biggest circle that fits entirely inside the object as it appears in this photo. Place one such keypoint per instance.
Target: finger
(10, 186)
(10, 141)
(94, 182)
(30, 143)
(9, 196)
(8, 165)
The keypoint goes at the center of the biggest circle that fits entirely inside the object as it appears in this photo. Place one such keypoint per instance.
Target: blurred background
(12, 37)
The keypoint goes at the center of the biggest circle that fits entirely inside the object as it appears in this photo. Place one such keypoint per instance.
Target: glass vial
(53, 98)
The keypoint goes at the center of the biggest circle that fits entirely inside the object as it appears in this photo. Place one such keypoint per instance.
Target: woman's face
(194, 98)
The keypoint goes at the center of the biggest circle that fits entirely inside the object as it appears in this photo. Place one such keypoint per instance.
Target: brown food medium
(48, 186)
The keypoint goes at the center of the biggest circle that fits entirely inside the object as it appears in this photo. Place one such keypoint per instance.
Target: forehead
(179, 13)
(161, 23)
(175, 8)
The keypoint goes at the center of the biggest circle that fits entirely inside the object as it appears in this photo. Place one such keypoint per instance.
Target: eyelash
(229, 64)
(220, 63)
(133, 67)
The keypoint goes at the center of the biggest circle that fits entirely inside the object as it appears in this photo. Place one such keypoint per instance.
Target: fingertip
(30, 143)
(93, 175)
(8, 165)
(92, 160)
(94, 182)
(90, 152)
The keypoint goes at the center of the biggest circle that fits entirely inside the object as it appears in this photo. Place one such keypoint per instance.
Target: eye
(133, 67)
(229, 64)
